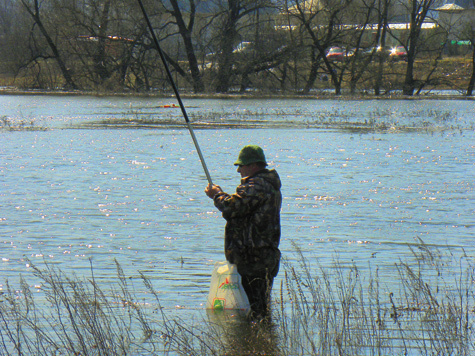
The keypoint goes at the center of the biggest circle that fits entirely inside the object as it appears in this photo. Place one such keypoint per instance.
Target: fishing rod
(175, 89)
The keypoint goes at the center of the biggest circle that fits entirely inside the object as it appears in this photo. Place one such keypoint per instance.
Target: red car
(336, 54)
(398, 53)
(339, 54)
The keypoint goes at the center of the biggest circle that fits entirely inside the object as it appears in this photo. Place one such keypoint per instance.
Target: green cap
(250, 154)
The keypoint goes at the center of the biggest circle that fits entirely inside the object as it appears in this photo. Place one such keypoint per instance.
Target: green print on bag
(219, 303)
(226, 291)
(228, 285)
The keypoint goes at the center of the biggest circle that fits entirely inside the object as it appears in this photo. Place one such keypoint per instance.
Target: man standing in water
(252, 232)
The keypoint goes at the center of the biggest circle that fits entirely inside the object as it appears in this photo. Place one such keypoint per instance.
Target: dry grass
(334, 310)
(339, 311)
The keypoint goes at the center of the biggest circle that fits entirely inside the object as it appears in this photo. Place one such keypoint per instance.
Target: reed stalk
(342, 309)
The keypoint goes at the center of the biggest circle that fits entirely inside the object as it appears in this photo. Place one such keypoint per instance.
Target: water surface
(70, 194)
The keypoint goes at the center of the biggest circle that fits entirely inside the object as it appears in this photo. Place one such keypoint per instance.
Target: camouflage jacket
(252, 214)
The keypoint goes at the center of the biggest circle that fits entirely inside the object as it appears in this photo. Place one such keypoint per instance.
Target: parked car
(398, 54)
(336, 54)
(339, 53)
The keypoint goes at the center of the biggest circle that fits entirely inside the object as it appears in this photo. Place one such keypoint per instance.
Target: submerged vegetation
(335, 310)
(376, 121)
(429, 121)
(10, 124)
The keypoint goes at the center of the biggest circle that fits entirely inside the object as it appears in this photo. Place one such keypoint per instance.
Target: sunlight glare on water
(72, 194)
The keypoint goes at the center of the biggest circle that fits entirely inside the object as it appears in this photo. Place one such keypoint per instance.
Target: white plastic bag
(226, 291)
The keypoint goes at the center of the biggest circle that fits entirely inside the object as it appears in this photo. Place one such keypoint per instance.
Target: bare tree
(471, 84)
(263, 52)
(263, 61)
(459, 27)
(229, 23)
(104, 44)
(101, 37)
(470, 34)
(6, 18)
(323, 22)
(33, 10)
(100, 56)
(380, 42)
(418, 11)
(185, 22)
(366, 11)
(10, 22)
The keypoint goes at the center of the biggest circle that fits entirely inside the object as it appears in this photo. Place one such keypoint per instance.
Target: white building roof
(450, 7)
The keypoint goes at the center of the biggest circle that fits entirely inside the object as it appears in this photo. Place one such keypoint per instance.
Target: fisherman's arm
(239, 204)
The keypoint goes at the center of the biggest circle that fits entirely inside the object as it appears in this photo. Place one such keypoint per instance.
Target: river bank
(315, 95)
(447, 77)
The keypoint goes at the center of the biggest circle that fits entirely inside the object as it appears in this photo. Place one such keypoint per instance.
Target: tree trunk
(99, 58)
(35, 14)
(381, 41)
(419, 13)
(312, 77)
(471, 84)
(408, 87)
(186, 32)
(379, 74)
(225, 62)
(245, 81)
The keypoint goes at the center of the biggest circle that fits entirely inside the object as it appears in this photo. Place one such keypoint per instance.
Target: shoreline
(234, 96)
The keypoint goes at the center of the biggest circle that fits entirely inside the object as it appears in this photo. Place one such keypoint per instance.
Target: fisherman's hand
(212, 189)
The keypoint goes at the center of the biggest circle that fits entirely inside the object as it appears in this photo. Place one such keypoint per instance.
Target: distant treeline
(218, 46)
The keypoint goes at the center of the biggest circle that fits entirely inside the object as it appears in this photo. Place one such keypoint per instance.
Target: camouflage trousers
(258, 269)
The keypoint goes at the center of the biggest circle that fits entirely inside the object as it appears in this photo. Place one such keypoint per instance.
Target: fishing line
(175, 89)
